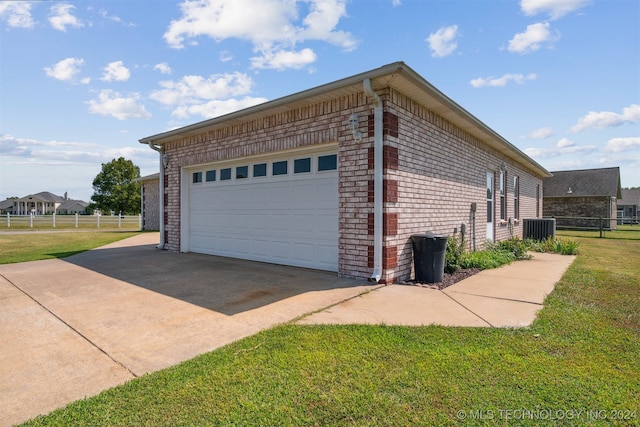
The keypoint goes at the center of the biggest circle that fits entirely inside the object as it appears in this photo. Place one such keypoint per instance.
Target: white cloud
(272, 26)
(116, 71)
(110, 103)
(17, 151)
(163, 67)
(396, 3)
(115, 18)
(532, 38)
(284, 59)
(564, 146)
(540, 133)
(66, 70)
(61, 17)
(617, 145)
(442, 42)
(555, 8)
(502, 81)
(565, 143)
(193, 89)
(11, 146)
(320, 24)
(208, 97)
(17, 14)
(607, 119)
(217, 108)
(225, 56)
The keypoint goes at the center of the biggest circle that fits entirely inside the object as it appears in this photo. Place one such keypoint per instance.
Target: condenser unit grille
(539, 228)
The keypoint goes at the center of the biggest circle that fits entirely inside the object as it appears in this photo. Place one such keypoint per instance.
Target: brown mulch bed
(448, 279)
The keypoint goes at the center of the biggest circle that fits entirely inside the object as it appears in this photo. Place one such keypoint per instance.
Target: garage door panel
(290, 220)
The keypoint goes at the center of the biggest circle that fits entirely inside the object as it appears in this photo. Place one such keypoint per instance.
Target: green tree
(115, 188)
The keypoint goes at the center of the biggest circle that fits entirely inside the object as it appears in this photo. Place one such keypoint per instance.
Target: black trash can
(429, 257)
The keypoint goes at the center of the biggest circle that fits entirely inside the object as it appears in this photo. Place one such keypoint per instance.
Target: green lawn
(36, 246)
(578, 364)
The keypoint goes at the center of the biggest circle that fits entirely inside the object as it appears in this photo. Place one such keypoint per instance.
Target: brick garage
(437, 162)
(583, 198)
(149, 192)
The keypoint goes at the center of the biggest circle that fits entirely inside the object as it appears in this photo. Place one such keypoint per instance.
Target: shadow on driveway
(225, 285)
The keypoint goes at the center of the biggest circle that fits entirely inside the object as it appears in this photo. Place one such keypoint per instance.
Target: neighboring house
(6, 206)
(584, 196)
(340, 176)
(629, 206)
(149, 193)
(71, 207)
(45, 203)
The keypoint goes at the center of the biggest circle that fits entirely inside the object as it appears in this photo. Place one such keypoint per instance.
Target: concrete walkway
(70, 328)
(510, 296)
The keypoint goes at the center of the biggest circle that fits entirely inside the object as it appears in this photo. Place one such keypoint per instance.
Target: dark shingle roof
(44, 196)
(584, 183)
(630, 197)
(6, 204)
(68, 204)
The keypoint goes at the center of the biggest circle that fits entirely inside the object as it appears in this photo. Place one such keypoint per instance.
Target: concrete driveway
(70, 328)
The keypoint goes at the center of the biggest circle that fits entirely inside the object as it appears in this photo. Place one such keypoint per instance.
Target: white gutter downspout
(377, 181)
(161, 195)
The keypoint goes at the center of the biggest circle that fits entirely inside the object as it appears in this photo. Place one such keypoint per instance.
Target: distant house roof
(70, 204)
(6, 204)
(630, 197)
(151, 177)
(584, 183)
(43, 196)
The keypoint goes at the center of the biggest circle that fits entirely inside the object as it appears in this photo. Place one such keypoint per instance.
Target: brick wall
(150, 204)
(440, 172)
(586, 207)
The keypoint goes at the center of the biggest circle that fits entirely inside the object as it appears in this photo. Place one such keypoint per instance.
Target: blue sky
(82, 81)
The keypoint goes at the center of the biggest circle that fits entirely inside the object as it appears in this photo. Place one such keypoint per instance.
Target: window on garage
(225, 174)
(259, 169)
(210, 175)
(197, 177)
(279, 168)
(302, 165)
(327, 163)
(242, 172)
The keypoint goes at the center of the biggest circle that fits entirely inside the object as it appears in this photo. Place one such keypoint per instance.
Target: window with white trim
(259, 169)
(279, 168)
(302, 165)
(242, 172)
(328, 162)
(225, 174)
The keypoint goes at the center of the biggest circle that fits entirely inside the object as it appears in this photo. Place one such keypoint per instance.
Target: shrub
(516, 246)
(489, 258)
(554, 245)
(505, 252)
(453, 255)
(493, 256)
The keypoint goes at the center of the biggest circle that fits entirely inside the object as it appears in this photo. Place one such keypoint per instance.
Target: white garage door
(282, 210)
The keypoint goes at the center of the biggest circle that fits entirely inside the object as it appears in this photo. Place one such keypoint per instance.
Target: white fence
(129, 222)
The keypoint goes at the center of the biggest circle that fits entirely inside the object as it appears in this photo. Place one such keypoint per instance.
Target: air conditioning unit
(539, 228)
